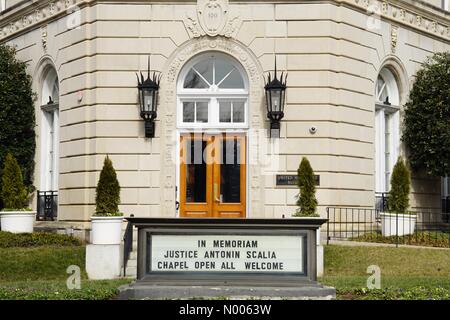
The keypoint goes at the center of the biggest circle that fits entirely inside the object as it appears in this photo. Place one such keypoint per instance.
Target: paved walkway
(376, 244)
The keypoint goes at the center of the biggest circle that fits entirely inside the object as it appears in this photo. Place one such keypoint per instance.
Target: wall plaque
(291, 180)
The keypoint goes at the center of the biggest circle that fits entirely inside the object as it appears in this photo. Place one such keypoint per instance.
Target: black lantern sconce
(275, 99)
(148, 99)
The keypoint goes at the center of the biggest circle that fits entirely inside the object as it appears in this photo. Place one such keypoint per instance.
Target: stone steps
(131, 269)
(131, 272)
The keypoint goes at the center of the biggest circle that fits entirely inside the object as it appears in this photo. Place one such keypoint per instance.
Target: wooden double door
(212, 175)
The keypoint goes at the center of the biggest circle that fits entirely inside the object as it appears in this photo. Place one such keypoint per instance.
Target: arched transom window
(387, 138)
(212, 92)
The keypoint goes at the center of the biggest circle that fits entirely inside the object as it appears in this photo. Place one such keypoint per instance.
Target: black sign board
(291, 179)
(246, 254)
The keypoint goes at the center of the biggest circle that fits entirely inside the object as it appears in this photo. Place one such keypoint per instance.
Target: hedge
(36, 239)
(17, 118)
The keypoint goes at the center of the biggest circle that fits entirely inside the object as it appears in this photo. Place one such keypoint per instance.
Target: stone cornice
(33, 15)
(435, 23)
(416, 15)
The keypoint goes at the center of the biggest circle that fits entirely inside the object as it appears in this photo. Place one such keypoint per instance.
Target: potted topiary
(398, 221)
(306, 199)
(16, 217)
(307, 204)
(107, 220)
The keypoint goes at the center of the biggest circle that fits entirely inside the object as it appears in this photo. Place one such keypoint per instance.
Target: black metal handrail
(127, 245)
(47, 205)
(446, 209)
(381, 201)
(352, 223)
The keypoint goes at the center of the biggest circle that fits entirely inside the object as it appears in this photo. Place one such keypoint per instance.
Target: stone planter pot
(392, 223)
(18, 221)
(106, 230)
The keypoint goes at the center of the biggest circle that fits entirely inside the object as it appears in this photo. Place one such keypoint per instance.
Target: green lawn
(406, 273)
(40, 273)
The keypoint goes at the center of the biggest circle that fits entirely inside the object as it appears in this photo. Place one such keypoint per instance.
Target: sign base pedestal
(150, 290)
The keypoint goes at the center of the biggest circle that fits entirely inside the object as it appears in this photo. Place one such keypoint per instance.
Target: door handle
(216, 192)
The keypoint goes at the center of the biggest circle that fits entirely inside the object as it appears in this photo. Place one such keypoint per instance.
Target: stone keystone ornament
(212, 15)
(212, 19)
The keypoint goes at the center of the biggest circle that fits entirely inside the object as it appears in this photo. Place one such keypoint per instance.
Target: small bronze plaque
(291, 179)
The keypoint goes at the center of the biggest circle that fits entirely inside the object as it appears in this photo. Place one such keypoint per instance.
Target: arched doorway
(212, 121)
(49, 131)
(49, 145)
(387, 133)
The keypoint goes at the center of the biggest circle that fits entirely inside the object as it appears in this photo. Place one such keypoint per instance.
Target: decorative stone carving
(212, 15)
(44, 37)
(402, 15)
(227, 24)
(418, 21)
(434, 26)
(384, 7)
(394, 37)
(212, 19)
(51, 8)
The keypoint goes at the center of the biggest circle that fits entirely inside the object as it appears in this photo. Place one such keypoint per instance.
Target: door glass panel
(238, 111)
(188, 111)
(224, 111)
(195, 171)
(230, 171)
(202, 111)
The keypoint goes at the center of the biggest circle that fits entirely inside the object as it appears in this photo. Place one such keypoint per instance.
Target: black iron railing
(381, 201)
(360, 224)
(127, 245)
(446, 208)
(47, 205)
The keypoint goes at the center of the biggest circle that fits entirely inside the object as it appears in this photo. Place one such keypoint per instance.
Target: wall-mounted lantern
(275, 99)
(148, 100)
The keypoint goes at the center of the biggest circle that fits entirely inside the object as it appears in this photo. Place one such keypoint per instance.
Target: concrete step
(132, 263)
(131, 272)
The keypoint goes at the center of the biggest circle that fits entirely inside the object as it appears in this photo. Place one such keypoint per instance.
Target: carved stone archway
(168, 97)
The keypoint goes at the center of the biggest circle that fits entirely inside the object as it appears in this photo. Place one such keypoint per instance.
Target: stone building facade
(344, 58)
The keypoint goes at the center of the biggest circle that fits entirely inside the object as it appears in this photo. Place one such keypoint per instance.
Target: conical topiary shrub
(13, 191)
(107, 197)
(307, 201)
(398, 200)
